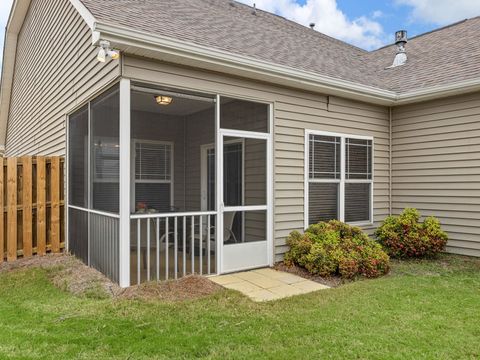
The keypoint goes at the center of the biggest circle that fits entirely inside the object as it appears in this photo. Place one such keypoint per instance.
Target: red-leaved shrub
(404, 236)
(335, 248)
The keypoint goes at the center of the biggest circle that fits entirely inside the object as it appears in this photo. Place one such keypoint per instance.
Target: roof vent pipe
(254, 11)
(400, 41)
(312, 26)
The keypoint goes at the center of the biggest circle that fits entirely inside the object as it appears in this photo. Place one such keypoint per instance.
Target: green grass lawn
(422, 310)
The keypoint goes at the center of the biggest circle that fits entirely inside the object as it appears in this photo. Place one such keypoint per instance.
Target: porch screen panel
(78, 158)
(157, 197)
(244, 115)
(153, 176)
(104, 143)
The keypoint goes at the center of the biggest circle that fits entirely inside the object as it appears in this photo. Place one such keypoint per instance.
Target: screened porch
(173, 218)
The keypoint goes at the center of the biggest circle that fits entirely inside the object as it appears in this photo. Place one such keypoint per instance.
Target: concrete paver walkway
(267, 284)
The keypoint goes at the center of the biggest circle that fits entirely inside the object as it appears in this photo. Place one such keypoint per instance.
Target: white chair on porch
(228, 234)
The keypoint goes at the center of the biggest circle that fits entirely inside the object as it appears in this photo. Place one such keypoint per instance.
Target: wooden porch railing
(32, 199)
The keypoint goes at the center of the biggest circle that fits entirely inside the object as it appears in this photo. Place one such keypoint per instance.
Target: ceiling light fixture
(105, 51)
(163, 100)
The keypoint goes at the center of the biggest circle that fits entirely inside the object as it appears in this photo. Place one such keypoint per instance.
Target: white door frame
(204, 171)
(256, 247)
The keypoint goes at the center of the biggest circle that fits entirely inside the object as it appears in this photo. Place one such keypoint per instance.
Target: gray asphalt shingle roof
(443, 56)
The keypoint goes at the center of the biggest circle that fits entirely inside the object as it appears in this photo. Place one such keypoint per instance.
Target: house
(199, 133)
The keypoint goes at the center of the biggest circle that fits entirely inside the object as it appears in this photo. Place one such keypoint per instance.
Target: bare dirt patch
(71, 275)
(334, 281)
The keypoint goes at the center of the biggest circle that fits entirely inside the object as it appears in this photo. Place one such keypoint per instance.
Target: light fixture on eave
(163, 100)
(106, 52)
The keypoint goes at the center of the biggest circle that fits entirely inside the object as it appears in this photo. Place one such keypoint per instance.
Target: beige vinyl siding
(436, 165)
(55, 70)
(294, 111)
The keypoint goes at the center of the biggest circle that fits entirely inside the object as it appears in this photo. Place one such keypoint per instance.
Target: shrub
(404, 236)
(335, 248)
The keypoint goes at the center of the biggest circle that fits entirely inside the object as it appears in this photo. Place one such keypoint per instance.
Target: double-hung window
(153, 175)
(339, 178)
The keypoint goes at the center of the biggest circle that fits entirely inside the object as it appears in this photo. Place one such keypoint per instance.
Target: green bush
(404, 236)
(335, 248)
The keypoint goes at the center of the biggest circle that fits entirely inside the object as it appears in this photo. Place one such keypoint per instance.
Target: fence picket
(12, 209)
(2, 215)
(41, 206)
(55, 201)
(23, 200)
(27, 206)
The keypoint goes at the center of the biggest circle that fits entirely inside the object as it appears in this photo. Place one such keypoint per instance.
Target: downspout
(390, 161)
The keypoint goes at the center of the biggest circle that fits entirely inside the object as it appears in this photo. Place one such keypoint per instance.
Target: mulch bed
(187, 288)
(334, 281)
(71, 275)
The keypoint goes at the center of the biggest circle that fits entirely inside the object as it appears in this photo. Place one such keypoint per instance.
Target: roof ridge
(431, 31)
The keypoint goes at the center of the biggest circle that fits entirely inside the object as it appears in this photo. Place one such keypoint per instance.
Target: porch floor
(267, 284)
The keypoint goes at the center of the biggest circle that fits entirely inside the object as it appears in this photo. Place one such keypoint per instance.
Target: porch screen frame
(342, 181)
(89, 174)
(221, 208)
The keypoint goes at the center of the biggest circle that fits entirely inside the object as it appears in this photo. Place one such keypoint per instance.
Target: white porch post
(219, 186)
(124, 233)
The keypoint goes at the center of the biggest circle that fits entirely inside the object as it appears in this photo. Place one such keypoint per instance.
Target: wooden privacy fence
(32, 199)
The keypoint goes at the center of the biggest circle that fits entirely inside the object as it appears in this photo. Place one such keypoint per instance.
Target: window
(339, 178)
(153, 175)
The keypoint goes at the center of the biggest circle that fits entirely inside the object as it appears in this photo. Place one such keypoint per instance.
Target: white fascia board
(84, 13)
(134, 42)
(441, 91)
(139, 42)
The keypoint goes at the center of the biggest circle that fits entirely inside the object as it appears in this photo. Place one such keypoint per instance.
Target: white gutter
(140, 42)
(156, 46)
(434, 92)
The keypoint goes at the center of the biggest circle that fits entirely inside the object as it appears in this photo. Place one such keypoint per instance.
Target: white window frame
(134, 170)
(342, 181)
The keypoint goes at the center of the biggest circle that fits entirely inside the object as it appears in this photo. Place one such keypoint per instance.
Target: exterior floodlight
(115, 55)
(105, 51)
(102, 55)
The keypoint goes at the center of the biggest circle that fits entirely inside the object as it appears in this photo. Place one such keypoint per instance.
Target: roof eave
(439, 91)
(145, 44)
(141, 43)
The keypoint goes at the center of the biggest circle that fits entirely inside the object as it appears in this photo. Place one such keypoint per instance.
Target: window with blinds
(340, 178)
(153, 175)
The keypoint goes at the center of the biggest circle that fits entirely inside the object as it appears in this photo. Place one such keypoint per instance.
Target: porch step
(267, 284)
